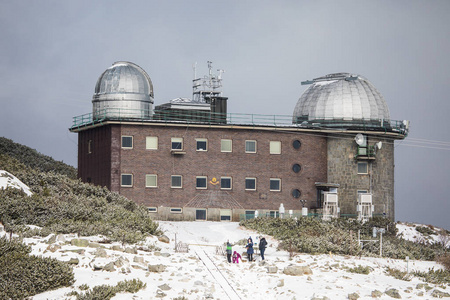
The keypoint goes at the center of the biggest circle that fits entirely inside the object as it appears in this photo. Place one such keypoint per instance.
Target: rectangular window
(225, 183)
(126, 180)
(151, 180)
(250, 146)
(177, 181)
(226, 145)
(275, 184)
(151, 143)
(152, 209)
(177, 143)
(176, 210)
(250, 184)
(249, 214)
(89, 146)
(127, 142)
(362, 167)
(202, 144)
(201, 182)
(275, 147)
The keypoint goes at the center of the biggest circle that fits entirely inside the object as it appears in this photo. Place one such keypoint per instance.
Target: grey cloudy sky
(52, 53)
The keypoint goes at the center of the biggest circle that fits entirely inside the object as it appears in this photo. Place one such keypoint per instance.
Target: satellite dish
(360, 139)
(379, 144)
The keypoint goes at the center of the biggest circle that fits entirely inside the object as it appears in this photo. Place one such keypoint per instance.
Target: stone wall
(342, 169)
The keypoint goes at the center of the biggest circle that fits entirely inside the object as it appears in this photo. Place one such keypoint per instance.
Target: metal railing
(207, 117)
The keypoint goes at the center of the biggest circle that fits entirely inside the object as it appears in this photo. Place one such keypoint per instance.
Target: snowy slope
(9, 180)
(203, 274)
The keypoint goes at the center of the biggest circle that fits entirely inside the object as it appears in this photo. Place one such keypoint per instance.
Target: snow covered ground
(203, 274)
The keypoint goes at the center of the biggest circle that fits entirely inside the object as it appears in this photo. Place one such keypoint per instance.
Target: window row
(226, 145)
(201, 182)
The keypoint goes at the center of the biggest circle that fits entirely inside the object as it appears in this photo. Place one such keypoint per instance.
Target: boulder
(100, 253)
(165, 287)
(376, 294)
(60, 238)
(163, 238)
(138, 259)
(157, 268)
(79, 242)
(439, 294)
(130, 250)
(109, 267)
(53, 247)
(272, 269)
(117, 248)
(73, 261)
(353, 296)
(94, 245)
(393, 293)
(297, 270)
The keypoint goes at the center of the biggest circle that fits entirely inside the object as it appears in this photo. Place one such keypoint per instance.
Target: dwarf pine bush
(63, 205)
(308, 235)
(23, 275)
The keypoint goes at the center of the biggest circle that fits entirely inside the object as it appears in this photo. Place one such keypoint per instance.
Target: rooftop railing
(207, 117)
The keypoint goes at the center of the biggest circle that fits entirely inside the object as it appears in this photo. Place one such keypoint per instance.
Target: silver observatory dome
(341, 99)
(124, 90)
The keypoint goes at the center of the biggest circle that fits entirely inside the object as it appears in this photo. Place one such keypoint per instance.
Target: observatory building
(189, 159)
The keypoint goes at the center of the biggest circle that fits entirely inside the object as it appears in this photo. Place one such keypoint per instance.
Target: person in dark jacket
(229, 251)
(250, 250)
(262, 246)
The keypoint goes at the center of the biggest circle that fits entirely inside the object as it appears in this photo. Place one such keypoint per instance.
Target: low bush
(360, 270)
(106, 292)
(23, 275)
(434, 276)
(402, 275)
(339, 236)
(62, 205)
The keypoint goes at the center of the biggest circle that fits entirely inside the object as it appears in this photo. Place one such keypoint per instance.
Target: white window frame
(176, 140)
(367, 167)
(248, 178)
(279, 184)
(201, 140)
(121, 141)
(231, 183)
(206, 182)
(171, 182)
(149, 140)
(152, 210)
(121, 180)
(176, 210)
(275, 147)
(225, 142)
(156, 181)
(250, 141)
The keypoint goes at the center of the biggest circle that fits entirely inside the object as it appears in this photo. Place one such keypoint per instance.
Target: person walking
(262, 246)
(250, 250)
(229, 251)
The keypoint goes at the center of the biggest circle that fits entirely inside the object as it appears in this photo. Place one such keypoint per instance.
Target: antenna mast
(209, 86)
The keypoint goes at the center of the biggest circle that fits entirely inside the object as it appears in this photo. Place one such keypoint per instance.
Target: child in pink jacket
(236, 257)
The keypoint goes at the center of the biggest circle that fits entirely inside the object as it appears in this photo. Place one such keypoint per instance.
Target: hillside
(35, 160)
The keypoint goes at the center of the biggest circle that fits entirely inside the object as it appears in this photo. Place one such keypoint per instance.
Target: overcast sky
(52, 53)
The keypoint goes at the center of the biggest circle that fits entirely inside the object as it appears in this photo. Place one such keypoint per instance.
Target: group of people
(236, 256)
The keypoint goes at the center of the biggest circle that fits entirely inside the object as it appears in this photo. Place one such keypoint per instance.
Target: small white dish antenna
(379, 144)
(360, 139)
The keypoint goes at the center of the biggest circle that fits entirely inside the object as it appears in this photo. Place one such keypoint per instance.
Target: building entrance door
(200, 215)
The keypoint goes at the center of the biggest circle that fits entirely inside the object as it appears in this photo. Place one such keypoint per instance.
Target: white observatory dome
(341, 98)
(124, 90)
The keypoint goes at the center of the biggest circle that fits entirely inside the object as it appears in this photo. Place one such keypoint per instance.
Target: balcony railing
(207, 117)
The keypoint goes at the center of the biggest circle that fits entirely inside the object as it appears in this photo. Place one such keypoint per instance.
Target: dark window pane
(127, 142)
(250, 184)
(296, 168)
(296, 144)
(296, 193)
(201, 182)
(225, 183)
(201, 145)
(126, 180)
(274, 185)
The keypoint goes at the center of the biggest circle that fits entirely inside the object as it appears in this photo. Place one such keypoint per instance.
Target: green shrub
(402, 275)
(106, 292)
(339, 236)
(360, 270)
(62, 205)
(425, 230)
(434, 276)
(23, 275)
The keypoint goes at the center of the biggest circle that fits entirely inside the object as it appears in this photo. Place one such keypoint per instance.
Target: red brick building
(184, 163)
